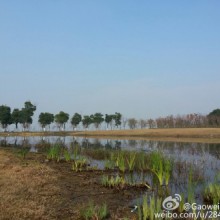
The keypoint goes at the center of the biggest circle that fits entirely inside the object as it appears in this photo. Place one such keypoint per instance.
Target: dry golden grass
(209, 135)
(25, 189)
(171, 134)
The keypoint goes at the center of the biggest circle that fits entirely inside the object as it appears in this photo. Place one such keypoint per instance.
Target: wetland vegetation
(106, 179)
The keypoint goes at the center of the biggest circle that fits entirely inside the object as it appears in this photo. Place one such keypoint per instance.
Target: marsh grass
(67, 155)
(167, 170)
(54, 152)
(95, 212)
(146, 210)
(79, 164)
(113, 181)
(161, 167)
(131, 161)
(212, 193)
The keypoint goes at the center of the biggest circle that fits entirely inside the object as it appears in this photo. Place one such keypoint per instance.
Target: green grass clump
(212, 193)
(161, 167)
(113, 181)
(131, 161)
(79, 164)
(67, 156)
(54, 153)
(95, 212)
(147, 210)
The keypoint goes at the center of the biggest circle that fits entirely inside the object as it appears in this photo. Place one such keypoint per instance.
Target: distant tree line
(24, 116)
(180, 121)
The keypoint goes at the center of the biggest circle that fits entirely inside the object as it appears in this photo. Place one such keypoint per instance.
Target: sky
(144, 59)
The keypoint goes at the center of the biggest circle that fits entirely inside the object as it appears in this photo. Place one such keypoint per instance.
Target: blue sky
(141, 58)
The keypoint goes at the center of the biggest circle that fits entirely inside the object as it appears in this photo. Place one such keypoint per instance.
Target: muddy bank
(37, 189)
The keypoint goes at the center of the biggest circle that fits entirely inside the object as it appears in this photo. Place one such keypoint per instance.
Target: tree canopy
(61, 118)
(5, 116)
(76, 119)
(45, 119)
(26, 114)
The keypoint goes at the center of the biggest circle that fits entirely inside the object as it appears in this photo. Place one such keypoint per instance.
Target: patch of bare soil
(35, 189)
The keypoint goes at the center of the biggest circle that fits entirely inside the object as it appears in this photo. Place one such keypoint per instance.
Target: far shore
(209, 135)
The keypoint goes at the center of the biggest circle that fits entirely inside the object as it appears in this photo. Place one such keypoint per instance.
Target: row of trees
(24, 116)
(96, 119)
(184, 121)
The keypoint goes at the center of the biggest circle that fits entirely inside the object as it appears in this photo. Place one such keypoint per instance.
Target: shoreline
(208, 135)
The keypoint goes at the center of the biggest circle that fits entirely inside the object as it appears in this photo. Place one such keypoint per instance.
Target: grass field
(211, 135)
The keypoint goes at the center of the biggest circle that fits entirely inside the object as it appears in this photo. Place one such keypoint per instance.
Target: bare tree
(142, 123)
(132, 123)
(151, 123)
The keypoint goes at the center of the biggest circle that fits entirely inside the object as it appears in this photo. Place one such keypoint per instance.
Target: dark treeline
(24, 116)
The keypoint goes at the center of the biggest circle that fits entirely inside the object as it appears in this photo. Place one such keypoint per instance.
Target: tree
(76, 119)
(86, 121)
(16, 117)
(142, 123)
(214, 117)
(45, 119)
(61, 118)
(97, 119)
(117, 118)
(151, 123)
(26, 114)
(108, 119)
(132, 123)
(5, 116)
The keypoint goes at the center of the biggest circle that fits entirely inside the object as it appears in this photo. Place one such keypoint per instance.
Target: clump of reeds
(54, 152)
(113, 181)
(161, 167)
(95, 212)
(147, 210)
(212, 193)
(79, 164)
(67, 155)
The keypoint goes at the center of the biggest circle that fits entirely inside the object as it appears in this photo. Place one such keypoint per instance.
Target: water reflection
(203, 155)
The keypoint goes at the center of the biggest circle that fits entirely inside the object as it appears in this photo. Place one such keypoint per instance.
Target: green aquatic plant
(95, 212)
(181, 203)
(147, 211)
(113, 181)
(120, 161)
(131, 161)
(158, 171)
(67, 156)
(76, 151)
(145, 208)
(79, 164)
(212, 193)
(190, 187)
(167, 170)
(54, 153)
